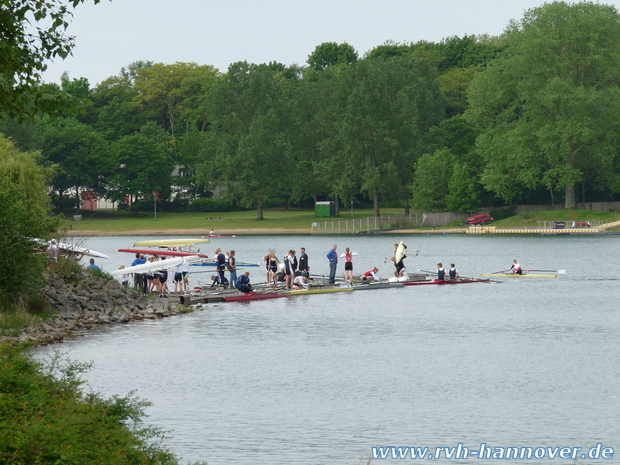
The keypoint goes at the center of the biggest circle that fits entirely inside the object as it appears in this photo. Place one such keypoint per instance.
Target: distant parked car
(479, 220)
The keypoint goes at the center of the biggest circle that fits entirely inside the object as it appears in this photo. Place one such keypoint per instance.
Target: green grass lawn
(109, 221)
(536, 219)
(294, 219)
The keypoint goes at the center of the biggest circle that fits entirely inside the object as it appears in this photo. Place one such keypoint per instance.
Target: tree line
(530, 116)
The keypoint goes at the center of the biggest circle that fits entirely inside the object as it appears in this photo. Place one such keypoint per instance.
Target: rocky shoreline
(83, 302)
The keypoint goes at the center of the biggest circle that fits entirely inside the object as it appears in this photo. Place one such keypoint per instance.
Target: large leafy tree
(391, 106)
(248, 150)
(330, 54)
(141, 165)
(550, 109)
(31, 33)
(25, 215)
(79, 154)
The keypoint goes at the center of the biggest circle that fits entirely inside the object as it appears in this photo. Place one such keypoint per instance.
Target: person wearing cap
(243, 283)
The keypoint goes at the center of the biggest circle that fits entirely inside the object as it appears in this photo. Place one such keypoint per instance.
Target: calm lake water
(321, 379)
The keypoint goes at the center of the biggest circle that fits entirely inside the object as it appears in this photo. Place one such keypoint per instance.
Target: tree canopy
(551, 107)
(24, 51)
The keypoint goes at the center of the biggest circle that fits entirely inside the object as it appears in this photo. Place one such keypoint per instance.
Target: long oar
(550, 271)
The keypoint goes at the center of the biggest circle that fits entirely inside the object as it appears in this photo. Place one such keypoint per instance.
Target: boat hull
(370, 286)
(163, 253)
(442, 282)
(321, 290)
(255, 296)
(515, 275)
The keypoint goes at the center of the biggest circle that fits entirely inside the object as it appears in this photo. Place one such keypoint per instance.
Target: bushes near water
(45, 418)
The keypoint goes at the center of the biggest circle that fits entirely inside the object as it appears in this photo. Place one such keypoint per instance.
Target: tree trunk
(376, 202)
(337, 205)
(259, 210)
(569, 202)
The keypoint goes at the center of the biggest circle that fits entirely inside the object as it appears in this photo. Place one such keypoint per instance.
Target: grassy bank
(278, 221)
(221, 222)
(535, 219)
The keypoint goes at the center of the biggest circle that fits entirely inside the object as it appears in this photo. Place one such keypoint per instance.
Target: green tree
(390, 108)
(79, 154)
(248, 150)
(552, 105)
(141, 165)
(330, 54)
(31, 33)
(24, 216)
(431, 180)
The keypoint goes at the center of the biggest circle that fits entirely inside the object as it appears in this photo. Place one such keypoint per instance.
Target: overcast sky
(112, 35)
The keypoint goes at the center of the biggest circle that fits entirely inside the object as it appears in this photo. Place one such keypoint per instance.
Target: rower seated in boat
(441, 272)
(515, 268)
(453, 273)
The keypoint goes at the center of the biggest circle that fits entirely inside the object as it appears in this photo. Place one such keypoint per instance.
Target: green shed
(325, 209)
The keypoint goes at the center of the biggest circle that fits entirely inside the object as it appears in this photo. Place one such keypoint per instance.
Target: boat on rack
(450, 281)
(163, 253)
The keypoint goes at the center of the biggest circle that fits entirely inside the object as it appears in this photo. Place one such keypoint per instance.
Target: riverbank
(78, 303)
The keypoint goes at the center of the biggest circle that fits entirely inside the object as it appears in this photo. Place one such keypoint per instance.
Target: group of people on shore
(370, 275)
(157, 280)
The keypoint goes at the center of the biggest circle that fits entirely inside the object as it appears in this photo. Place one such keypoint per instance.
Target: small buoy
(428, 234)
(445, 234)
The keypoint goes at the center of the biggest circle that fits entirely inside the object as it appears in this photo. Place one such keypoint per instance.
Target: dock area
(546, 231)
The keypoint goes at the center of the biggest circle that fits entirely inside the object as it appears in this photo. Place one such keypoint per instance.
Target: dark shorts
(163, 279)
(273, 269)
(178, 277)
(399, 266)
(348, 266)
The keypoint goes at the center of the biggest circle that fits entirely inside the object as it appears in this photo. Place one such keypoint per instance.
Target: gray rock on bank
(77, 305)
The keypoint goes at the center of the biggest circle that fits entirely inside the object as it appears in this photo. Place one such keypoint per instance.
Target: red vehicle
(479, 220)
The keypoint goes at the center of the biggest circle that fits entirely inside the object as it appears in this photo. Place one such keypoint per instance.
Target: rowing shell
(515, 275)
(166, 253)
(156, 265)
(171, 242)
(255, 296)
(442, 281)
(321, 290)
(382, 285)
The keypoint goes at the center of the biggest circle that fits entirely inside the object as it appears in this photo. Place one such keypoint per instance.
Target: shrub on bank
(46, 419)
(210, 205)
